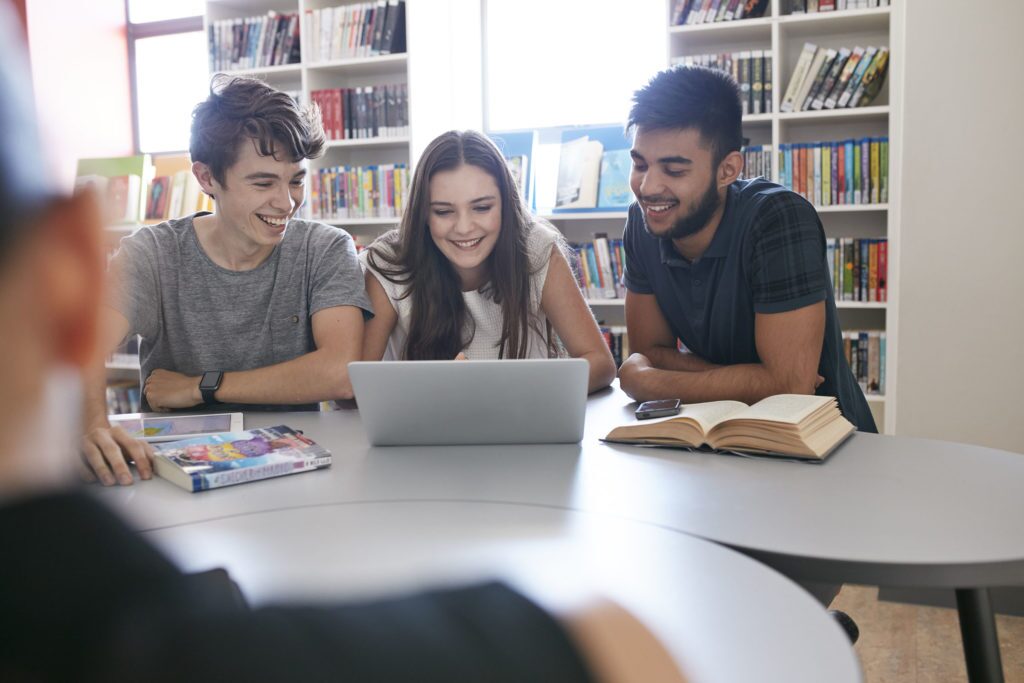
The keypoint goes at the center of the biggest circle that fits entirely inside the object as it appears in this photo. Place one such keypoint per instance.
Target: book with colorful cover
(613, 189)
(217, 460)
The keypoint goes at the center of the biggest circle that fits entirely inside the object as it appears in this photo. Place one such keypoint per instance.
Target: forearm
(602, 369)
(94, 395)
(749, 383)
(320, 375)
(667, 358)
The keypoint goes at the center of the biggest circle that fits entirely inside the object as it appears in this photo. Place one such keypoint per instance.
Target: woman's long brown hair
(438, 309)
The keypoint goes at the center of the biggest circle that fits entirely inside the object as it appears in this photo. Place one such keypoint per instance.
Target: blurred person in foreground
(83, 598)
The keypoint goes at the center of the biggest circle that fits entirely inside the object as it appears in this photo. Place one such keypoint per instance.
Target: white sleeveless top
(484, 316)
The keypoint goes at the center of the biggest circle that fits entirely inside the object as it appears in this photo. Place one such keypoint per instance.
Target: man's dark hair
(692, 97)
(245, 108)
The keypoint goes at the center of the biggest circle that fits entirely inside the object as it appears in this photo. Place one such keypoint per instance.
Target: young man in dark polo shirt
(734, 269)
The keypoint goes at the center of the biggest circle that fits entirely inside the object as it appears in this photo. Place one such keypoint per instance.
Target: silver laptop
(414, 403)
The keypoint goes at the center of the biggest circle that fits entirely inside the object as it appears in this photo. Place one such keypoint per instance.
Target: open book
(791, 425)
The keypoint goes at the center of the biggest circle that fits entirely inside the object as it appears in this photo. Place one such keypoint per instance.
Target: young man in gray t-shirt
(245, 305)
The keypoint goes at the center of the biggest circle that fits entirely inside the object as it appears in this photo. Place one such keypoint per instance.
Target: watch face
(210, 380)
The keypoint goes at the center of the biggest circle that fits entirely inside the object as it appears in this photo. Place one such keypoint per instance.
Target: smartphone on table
(661, 408)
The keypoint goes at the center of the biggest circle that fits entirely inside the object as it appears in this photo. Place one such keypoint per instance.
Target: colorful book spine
(874, 164)
(865, 353)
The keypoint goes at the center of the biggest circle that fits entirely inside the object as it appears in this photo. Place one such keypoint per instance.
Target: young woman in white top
(469, 273)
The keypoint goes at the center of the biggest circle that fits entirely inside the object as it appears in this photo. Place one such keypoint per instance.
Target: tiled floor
(913, 644)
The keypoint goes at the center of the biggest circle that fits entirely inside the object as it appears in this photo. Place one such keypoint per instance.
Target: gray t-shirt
(194, 316)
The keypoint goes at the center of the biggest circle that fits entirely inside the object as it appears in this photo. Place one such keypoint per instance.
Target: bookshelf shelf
(352, 222)
(368, 142)
(122, 228)
(383, 64)
(875, 398)
(280, 70)
(879, 112)
(744, 29)
(758, 118)
(606, 302)
(852, 208)
(123, 365)
(879, 305)
(582, 216)
(848, 21)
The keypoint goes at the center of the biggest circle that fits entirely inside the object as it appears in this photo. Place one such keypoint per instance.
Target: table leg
(978, 629)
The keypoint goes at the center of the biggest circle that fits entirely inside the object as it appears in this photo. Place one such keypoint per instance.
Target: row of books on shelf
(254, 42)
(859, 268)
(811, 6)
(174, 196)
(123, 397)
(757, 161)
(829, 78)
(358, 192)
(865, 352)
(690, 12)
(752, 69)
(599, 267)
(840, 172)
(365, 29)
(618, 342)
(376, 111)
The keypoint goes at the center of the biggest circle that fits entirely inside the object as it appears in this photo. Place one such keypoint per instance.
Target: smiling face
(465, 220)
(674, 181)
(258, 196)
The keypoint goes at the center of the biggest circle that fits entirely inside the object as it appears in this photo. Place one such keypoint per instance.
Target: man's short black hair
(692, 97)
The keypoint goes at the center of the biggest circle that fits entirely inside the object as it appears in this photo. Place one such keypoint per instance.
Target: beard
(699, 215)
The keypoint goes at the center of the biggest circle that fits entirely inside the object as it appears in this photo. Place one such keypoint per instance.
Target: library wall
(59, 34)
(961, 313)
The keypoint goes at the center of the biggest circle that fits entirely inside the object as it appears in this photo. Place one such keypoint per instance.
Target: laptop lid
(404, 403)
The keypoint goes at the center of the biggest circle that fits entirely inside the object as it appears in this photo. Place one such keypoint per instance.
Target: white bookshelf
(585, 216)
(783, 35)
(309, 75)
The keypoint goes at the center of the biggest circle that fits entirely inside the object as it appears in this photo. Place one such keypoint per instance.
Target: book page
(707, 415)
(784, 408)
(687, 429)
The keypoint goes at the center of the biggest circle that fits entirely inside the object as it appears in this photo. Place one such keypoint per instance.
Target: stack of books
(225, 459)
(827, 78)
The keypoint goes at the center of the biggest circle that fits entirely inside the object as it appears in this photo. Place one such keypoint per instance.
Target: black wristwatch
(209, 384)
